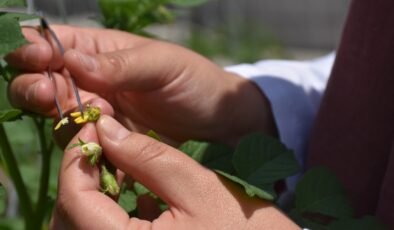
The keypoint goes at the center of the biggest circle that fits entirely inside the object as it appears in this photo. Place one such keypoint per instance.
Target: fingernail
(112, 129)
(89, 62)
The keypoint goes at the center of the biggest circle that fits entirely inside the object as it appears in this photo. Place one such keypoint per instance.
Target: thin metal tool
(45, 28)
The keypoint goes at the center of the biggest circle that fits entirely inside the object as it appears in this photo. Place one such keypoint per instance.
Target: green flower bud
(92, 151)
(108, 182)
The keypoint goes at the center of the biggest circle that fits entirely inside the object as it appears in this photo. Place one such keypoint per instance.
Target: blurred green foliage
(135, 15)
(23, 137)
(245, 43)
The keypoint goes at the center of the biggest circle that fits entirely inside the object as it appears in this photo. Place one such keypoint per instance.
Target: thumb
(134, 69)
(170, 174)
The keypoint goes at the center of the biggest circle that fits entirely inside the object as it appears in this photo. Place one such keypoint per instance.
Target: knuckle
(149, 150)
(118, 61)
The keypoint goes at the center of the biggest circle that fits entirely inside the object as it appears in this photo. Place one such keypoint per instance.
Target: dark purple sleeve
(354, 131)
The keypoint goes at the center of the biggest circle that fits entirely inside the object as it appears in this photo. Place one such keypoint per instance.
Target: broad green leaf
(12, 3)
(319, 191)
(262, 160)
(128, 200)
(18, 16)
(187, 2)
(11, 36)
(213, 156)
(249, 189)
(10, 115)
(366, 223)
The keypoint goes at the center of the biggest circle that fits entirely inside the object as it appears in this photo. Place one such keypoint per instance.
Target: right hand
(146, 84)
(197, 197)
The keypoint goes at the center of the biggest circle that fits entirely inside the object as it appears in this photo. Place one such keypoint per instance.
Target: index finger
(34, 56)
(40, 53)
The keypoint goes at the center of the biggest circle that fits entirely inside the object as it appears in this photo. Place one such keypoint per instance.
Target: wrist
(250, 111)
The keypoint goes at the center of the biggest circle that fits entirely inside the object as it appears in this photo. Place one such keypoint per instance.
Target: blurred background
(232, 31)
(226, 31)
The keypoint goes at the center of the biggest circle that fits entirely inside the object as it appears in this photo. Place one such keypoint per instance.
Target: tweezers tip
(44, 23)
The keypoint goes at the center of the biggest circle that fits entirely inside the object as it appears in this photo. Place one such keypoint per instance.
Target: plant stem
(45, 172)
(13, 170)
(3, 73)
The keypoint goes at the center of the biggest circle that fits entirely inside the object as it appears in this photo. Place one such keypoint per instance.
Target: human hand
(197, 197)
(146, 84)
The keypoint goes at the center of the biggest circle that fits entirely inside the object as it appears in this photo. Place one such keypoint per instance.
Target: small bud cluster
(92, 150)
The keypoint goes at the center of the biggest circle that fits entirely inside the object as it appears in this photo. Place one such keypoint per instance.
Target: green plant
(135, 15)
(257, 163)
(249, 43)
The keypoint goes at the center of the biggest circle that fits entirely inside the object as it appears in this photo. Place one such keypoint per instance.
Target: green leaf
(320, 191)
(213, 156)
(18, 16)
(10, 115)
(366, 223)
(249, 189)
(12, 3)
(187, 3)
(128, 200)
(261, 160)
(11, 36)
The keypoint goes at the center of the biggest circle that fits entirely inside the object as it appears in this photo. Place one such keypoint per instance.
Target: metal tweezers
(49, 35)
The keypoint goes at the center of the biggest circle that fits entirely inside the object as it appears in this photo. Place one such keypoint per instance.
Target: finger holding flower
(195, 195)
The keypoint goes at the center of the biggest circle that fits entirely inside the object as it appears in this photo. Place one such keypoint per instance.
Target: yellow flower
(90, 114)
(62, 122)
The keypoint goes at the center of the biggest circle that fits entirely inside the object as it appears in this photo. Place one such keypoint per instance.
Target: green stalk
(13, 169)
(3, 73)
(45, 173)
